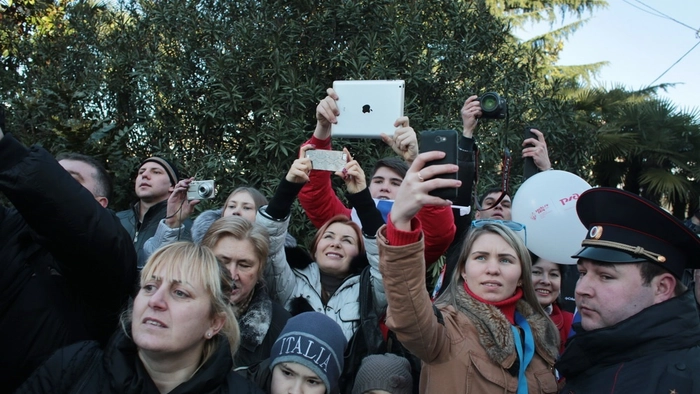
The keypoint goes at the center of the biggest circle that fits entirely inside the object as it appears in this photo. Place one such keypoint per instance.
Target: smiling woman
(336, 245)
(343, 254)
(547, 279)
(178, 336)
(341, 250)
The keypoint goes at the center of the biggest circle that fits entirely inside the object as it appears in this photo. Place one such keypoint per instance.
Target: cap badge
(595, 232)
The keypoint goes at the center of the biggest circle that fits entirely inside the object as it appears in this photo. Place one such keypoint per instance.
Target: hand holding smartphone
(445, 141)
(529, 167)
(327, 160)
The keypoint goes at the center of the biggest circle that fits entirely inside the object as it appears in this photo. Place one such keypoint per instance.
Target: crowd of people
(154, 300)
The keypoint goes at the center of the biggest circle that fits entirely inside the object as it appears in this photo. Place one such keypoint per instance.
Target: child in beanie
(308, 354)
(384, 373)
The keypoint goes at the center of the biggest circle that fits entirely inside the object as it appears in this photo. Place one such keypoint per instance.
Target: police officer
(639, 330)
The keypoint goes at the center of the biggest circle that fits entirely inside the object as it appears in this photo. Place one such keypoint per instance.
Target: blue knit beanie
(315, 341)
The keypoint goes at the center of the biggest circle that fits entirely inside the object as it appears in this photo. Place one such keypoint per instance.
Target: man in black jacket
(66, 263)
(639, 329)
(155, 181)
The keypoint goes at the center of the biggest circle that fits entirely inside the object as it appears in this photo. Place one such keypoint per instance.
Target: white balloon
(546, 204)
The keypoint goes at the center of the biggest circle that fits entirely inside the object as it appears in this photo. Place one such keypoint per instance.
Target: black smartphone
(445, 141)
(529, 167)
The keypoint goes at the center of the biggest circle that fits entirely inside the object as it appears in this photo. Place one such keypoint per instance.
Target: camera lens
(489, 103)
(493, 106)
(204, 191)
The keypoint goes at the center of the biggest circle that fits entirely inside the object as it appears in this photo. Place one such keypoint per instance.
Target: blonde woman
(178, 337)
(243, 247)
(487, 333)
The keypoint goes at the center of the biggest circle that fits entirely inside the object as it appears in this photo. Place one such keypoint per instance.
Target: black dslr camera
(493, 106)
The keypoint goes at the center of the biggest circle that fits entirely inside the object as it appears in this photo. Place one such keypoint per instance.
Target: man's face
(500, 212)
(152, 183)
(384, 184)
(607, 294)
(85, 175)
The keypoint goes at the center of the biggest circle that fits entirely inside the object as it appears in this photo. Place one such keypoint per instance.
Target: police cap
(626, 228)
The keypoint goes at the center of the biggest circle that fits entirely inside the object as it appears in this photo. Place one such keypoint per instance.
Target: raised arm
(90, 246)
(537, 150)
(438, 229)
(172, 227)
(409, 312)
(467, 160)
(360, 198)
(317, 197)
(404, 142)
(370, 220)
(275, 218)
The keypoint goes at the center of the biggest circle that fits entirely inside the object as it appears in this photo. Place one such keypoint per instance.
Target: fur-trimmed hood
(496, 336)
(202, 223)
(255, 322)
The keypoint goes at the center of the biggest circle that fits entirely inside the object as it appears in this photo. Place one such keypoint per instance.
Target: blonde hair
(456, 282)
(194, 263)
(243, 230)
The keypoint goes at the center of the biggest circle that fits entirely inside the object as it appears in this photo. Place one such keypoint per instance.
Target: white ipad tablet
(367, 108)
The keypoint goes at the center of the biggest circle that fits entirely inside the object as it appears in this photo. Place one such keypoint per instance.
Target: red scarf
(506, 306)
(563, 320)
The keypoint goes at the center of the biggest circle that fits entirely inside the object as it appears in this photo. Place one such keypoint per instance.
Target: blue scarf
(529, 351)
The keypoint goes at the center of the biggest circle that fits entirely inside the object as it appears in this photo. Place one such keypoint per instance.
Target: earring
(208, 335)
(520, 283)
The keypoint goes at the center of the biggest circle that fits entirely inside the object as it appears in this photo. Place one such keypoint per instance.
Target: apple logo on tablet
(366, 109)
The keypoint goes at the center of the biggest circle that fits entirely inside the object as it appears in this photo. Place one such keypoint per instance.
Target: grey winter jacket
(293, 283)
(141, 232)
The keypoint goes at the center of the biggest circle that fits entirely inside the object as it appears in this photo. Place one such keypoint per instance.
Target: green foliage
(228, 90)
(643, 144)
(519, 13)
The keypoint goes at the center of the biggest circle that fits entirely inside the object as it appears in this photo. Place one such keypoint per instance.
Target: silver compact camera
(201, 190)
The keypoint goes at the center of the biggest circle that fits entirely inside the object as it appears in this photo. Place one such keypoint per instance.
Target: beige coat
(473, 351)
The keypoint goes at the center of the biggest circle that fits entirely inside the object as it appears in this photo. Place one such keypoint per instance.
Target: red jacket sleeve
(317, 197)
(438, 231)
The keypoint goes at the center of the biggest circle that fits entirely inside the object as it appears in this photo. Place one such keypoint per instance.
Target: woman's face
(241, 204)
(492, 270)
(336, 249)
(241, 260)
(546, 278)
(173, 317)
(295, 378)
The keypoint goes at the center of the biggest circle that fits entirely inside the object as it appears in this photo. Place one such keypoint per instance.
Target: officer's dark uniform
(657, 350)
